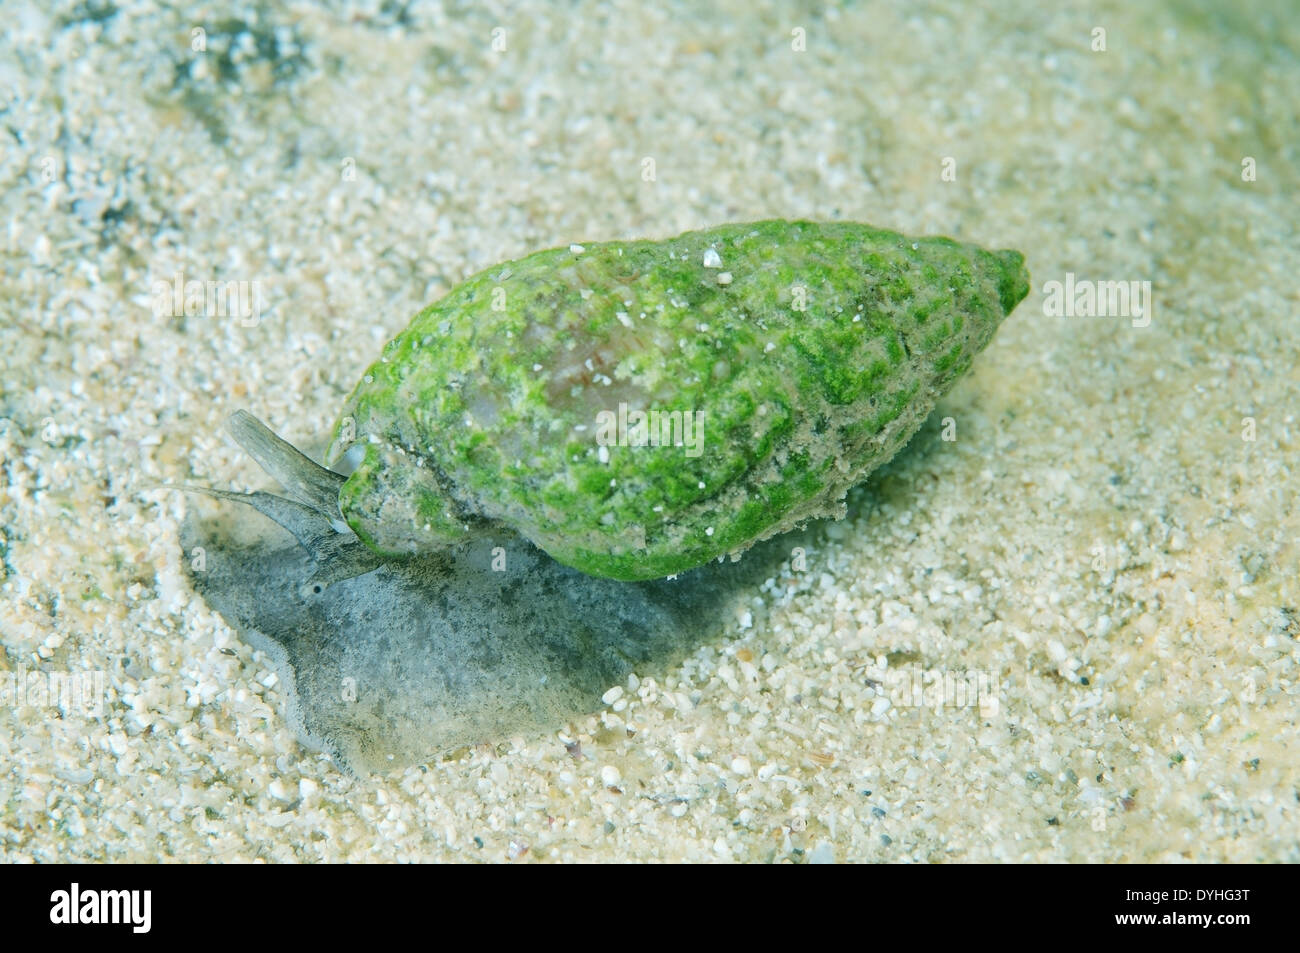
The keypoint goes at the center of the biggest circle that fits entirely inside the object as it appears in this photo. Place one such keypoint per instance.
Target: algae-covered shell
(636, 409)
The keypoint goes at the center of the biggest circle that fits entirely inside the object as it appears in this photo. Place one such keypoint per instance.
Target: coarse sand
(1060, 626)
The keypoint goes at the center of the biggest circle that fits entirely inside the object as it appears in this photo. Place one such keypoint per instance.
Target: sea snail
(637, 409)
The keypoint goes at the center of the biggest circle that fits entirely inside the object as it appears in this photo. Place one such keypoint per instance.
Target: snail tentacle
(310, 512)
(338, 556)
(304, 481)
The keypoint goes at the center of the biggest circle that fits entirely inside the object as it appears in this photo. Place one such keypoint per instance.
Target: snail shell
(636, 409)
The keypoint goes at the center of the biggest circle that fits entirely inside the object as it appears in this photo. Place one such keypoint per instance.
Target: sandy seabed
(1068, 634)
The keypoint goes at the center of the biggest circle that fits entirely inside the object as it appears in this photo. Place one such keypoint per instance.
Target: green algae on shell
(782, 361)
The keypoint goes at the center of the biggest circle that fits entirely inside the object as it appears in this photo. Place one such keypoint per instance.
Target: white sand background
(1099, 544)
